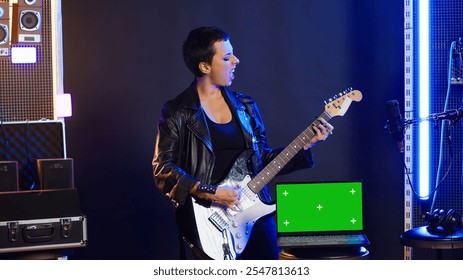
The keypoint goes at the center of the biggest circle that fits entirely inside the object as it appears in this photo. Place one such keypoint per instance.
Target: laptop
(318, 214)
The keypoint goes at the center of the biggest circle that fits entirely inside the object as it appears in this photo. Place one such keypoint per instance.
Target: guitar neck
(280, 161)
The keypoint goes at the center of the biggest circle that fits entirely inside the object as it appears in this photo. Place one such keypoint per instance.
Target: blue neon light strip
(424, 98)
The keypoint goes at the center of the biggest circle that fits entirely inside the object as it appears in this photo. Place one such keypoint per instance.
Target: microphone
(447, 115)
(395, 123)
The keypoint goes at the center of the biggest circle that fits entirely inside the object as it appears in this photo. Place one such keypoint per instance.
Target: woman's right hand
(225, 195)
(228, 196)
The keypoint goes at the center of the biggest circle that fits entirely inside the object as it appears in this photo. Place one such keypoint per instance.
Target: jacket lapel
(239, 109)
(196, 123)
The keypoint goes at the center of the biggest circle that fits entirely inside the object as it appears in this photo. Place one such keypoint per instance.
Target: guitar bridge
(218, 221)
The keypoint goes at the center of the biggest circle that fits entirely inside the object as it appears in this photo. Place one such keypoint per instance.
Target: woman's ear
(204, 68)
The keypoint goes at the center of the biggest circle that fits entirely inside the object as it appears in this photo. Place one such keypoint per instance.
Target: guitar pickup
(218, 221)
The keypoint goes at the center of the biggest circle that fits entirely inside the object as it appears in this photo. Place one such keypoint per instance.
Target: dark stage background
(122, 61)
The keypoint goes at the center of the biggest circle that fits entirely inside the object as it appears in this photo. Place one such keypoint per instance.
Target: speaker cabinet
(4, 29)
(56, 173)
(27, 22)
(9, 176)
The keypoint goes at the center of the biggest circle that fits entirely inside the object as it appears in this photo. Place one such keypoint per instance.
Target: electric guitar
(224, 232)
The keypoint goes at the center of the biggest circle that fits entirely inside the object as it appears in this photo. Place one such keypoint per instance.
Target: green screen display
(327, 206)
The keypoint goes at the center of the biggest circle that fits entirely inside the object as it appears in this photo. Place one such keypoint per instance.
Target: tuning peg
(348, 90)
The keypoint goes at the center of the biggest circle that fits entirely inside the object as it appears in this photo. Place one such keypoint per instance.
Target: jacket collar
(190, 98)
(197, 122)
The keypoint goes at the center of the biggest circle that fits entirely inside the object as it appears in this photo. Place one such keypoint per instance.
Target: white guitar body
(229, 227)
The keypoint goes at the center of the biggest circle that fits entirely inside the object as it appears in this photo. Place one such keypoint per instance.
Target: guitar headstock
(338, 104)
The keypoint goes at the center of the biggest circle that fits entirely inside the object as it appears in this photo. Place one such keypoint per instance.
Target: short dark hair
(198, 47)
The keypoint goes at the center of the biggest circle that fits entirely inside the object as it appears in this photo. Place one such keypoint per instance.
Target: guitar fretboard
(280, 161)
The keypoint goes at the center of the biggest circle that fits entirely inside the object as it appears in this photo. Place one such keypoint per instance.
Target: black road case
(43, 234)
(41, 220)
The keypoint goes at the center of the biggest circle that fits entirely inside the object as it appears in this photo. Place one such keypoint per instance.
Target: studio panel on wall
(31, 72)
(4, 29)
(433, 88)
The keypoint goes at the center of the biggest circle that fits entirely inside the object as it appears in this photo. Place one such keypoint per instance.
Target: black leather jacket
(184, 154)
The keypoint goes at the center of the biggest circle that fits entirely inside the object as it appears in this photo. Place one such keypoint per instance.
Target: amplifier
(9, 176)
(56, 173)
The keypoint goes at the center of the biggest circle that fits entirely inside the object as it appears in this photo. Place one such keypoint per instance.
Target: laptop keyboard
(322, 240)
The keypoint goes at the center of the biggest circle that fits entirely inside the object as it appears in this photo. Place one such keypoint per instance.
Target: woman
(203, 131)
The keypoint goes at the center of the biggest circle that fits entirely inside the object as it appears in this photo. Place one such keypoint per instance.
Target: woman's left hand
(322, 130)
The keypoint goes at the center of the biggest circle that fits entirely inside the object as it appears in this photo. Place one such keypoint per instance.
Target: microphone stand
(450, 115)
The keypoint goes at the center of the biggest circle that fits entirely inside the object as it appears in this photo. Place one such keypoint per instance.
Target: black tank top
(228, 143)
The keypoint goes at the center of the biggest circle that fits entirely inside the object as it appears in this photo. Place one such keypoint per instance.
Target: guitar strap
(198, 254)
(181, 247)
(188, 235)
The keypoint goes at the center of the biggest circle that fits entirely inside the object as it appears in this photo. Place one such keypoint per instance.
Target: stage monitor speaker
(4, 29)
(9, 176)
(27, 22)
(56, 173)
